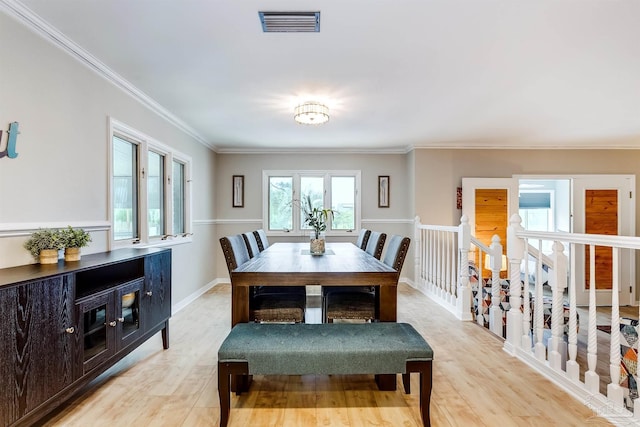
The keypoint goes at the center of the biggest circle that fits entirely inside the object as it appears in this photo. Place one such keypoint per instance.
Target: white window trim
(296, 175)
(145, 144)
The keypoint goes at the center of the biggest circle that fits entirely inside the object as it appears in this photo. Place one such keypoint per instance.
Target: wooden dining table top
(292, 264)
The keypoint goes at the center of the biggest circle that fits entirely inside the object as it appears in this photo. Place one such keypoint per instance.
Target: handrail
(480, 245)
(449, 228)
(532, 250)
(626, 242)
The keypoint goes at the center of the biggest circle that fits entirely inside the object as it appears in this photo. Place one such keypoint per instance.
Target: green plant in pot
(316, 218)
(44, 245)
(74, 239)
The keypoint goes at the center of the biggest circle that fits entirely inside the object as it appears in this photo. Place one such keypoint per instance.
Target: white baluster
(526, 301)
(538, 309)
(450, 269)
(515, 251)
(573, 369)
(495, 313)
(558, 282)
(417, 264)
(591, 379)
(614, 391)
(636, 402)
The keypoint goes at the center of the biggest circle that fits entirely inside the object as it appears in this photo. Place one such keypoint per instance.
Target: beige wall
(439, 172)
(60, 174)
(393, 220)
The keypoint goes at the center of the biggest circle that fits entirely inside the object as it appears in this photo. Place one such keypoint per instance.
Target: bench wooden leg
(406, 381)
(426, 377)
(386, 382)
(225, 371)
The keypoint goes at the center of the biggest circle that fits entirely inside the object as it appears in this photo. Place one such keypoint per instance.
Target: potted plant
(74, 239)
(317, 219)
(44, 245)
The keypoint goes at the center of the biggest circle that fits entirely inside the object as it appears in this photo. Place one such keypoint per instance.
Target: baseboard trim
(197, 294)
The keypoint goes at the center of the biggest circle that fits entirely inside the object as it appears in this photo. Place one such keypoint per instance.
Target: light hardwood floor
(475, 382)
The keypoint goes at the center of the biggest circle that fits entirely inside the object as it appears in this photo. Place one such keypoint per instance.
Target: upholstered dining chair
(375, 244)
(261, 237)
(251, 241)
(269, 306)
(361, 304)
(363, 238)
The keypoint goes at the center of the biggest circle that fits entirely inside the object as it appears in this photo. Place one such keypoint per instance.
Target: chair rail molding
(26, 228)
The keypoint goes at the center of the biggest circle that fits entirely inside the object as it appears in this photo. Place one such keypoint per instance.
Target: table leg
(388, 303)
(239, 304)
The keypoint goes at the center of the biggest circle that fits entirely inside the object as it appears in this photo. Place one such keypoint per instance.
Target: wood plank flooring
(475, 382)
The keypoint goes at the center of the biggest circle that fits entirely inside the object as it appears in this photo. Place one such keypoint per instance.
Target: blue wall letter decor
(12, 138)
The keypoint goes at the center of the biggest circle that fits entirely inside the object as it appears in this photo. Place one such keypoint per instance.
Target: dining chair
(261, 237)
(363, 238)
(359, 304)
(375, 244)
(281, 304)
(251, 241)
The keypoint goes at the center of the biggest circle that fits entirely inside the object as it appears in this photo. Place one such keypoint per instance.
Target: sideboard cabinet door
(157, 298)
(36, 344)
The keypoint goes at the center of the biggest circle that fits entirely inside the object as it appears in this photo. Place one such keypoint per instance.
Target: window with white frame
(149, 200)
(336, 190)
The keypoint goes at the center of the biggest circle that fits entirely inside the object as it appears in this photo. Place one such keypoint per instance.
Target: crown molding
(24, 15)
(402, 150)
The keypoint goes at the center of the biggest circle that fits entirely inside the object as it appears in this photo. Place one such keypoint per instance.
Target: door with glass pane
(96, 329)
(128, 298)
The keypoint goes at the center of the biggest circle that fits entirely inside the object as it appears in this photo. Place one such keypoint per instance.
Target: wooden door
(604, 205)
(489, 203)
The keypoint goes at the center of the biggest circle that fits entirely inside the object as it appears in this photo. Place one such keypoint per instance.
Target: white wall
(60, 175)
(397, 219)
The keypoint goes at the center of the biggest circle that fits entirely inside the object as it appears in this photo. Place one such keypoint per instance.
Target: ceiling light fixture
(311, 113)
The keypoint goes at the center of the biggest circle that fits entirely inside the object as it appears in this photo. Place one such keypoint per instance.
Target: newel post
(463, 301)
(515, 252)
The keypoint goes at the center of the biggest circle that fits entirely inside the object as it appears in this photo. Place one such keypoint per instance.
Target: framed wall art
(238, 191)
(383, 191)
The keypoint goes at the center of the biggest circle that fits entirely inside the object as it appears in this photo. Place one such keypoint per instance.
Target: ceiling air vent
(290, 22)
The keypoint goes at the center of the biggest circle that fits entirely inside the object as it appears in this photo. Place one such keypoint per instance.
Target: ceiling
(395, 74)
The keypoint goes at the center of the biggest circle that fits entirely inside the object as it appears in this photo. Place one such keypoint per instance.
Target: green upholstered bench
(324, 349)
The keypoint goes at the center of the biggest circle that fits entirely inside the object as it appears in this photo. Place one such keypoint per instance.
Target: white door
(604, 204)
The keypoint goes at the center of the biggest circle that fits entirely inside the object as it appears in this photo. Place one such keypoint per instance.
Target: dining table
(292, 264)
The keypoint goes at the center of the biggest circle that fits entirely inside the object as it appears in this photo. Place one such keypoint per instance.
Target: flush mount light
(311, 113)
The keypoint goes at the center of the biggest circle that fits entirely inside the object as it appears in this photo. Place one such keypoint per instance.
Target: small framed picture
(238, 191)
(383, 191)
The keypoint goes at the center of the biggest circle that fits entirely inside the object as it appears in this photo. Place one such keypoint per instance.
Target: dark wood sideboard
(62, 325)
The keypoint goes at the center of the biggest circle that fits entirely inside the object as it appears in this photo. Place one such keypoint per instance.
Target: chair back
(396, 252)
(261, 237)
(375, 244)
(363, 238)
(252, 243)
(235, 251)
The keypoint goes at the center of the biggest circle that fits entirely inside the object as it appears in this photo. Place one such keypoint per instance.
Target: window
(536, 211)
(149, 193)
(336, 190)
